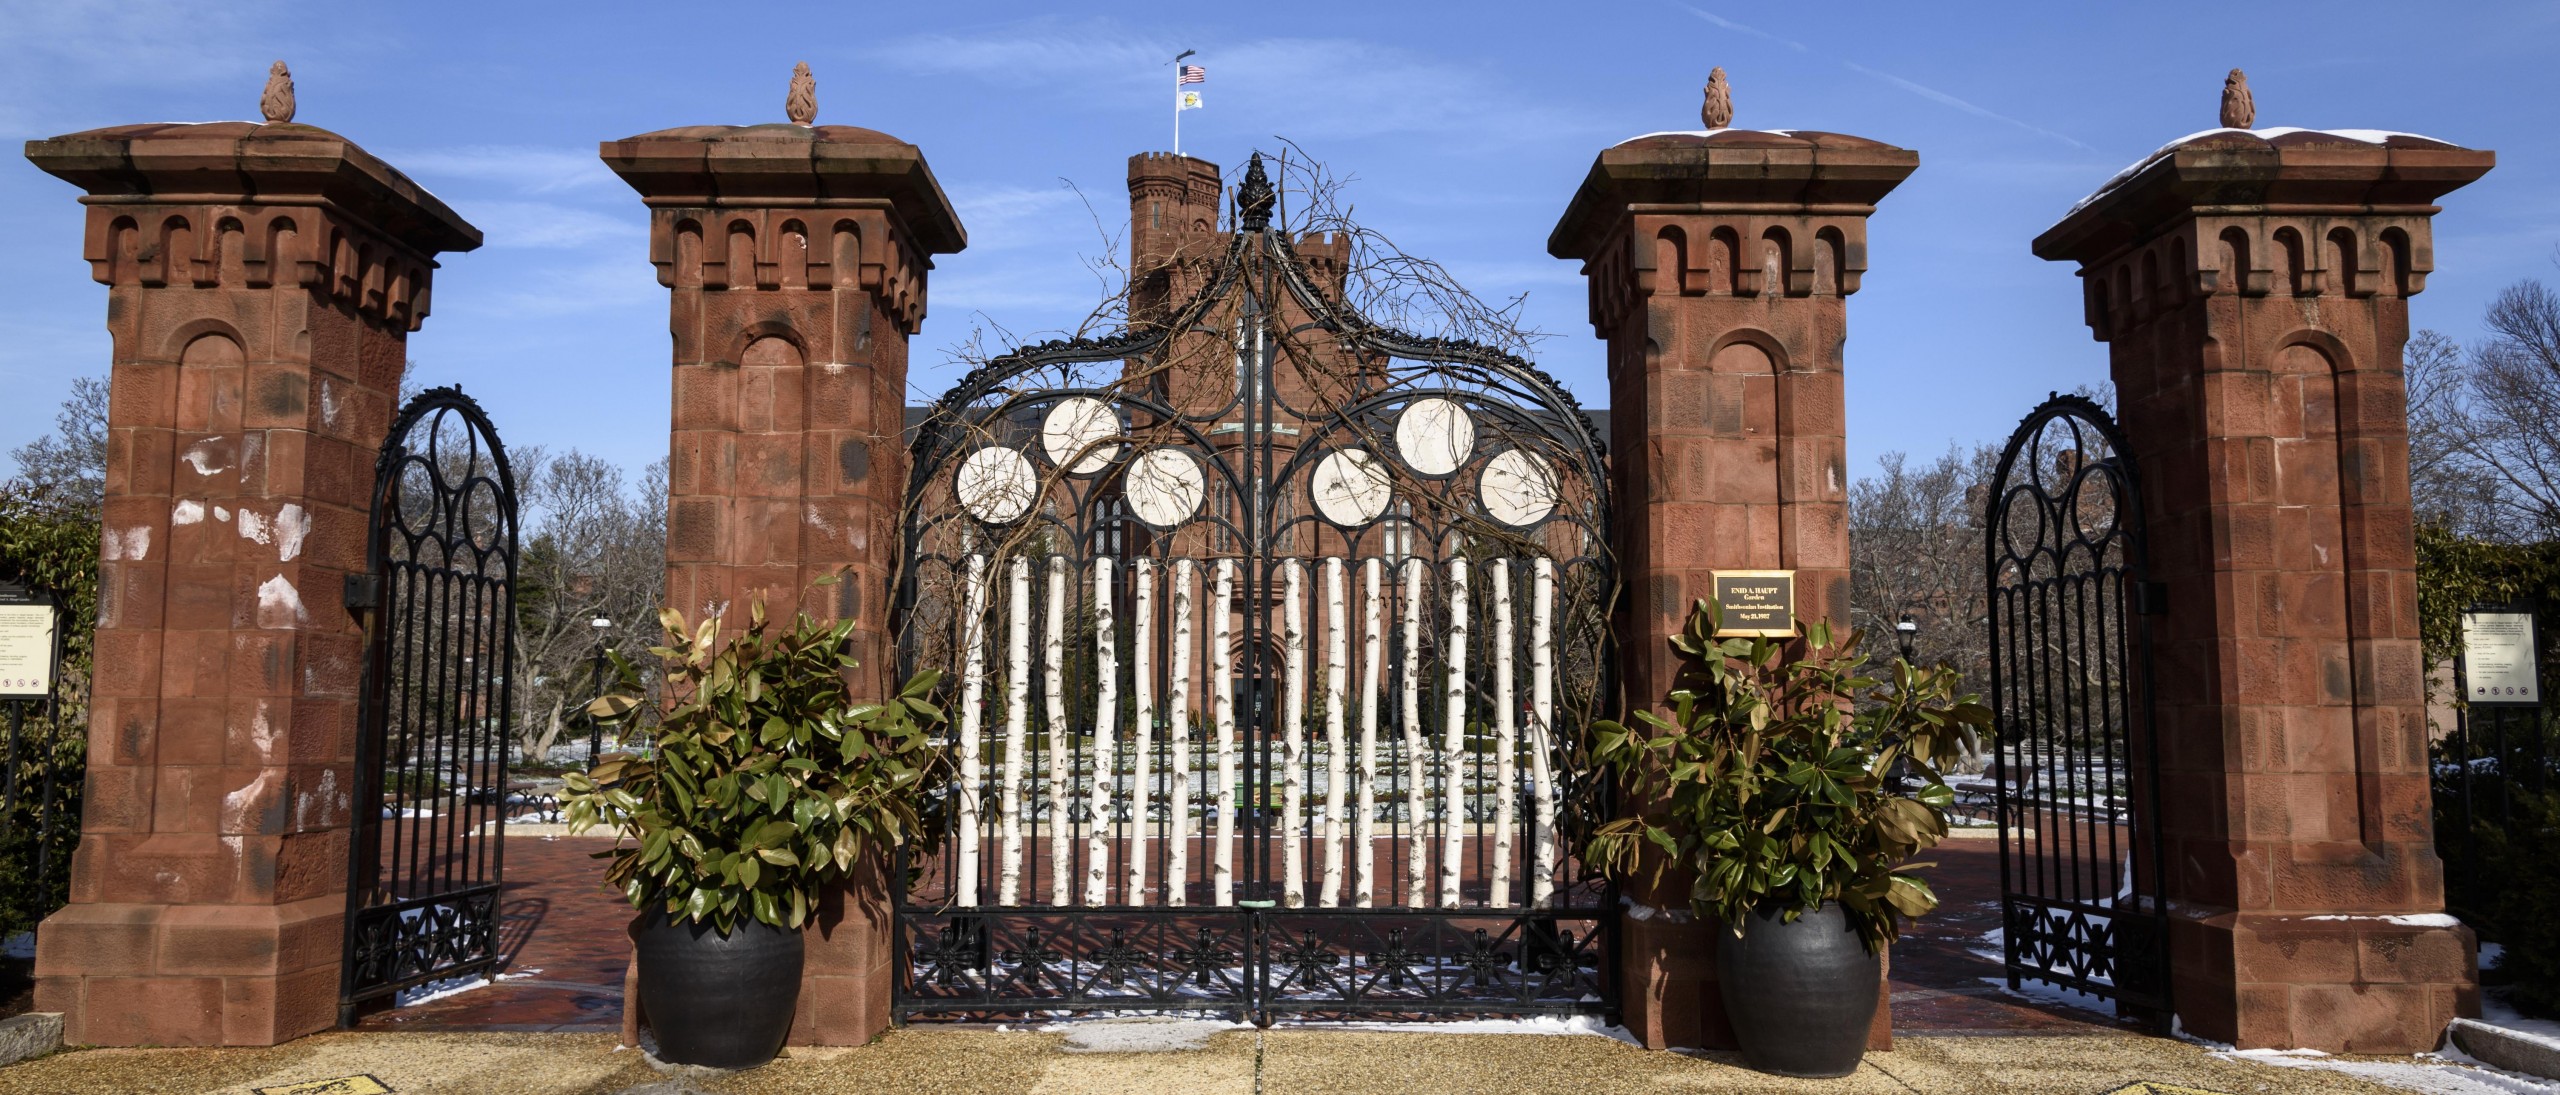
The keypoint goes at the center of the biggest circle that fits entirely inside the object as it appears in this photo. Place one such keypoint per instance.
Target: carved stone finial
(1718, 113)
(802, 106)
(277, 103)
(2239, 111)
(1254, 197)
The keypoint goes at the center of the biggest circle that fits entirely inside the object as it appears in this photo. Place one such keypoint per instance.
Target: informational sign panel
(2498, 662)
(1756, 603)
(26, 643)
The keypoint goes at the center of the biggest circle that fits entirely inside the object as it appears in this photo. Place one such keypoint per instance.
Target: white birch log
(1337, 673)
(1542, 742)
(1453, 739)
(1222, 866)
(1364, 822)
(1177, 864)
(1416, 853)
(1506, 738)
(1054, 681)
(1017, 716)
(1143, 743)
(1293, 735)
(1106, 735)
(973, 686)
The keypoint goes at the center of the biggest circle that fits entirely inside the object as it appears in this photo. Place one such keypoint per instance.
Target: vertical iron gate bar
(428, 854)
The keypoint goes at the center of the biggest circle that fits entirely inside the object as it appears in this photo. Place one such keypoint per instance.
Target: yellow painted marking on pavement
(2148, 1087)
(344, 1085)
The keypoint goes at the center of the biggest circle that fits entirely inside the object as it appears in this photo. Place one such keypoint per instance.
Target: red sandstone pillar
(795, 257)
(262, 283)
(1720, 266)
(2253, 293)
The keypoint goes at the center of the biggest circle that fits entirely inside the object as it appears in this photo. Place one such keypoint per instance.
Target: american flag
(1192, 74)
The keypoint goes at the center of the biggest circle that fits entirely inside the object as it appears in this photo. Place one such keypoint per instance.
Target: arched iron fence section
(2075, 761)
(439, 611)
(1266, 633)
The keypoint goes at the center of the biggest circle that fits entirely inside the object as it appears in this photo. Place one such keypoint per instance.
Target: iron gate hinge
(2151, 598)
(364, 593)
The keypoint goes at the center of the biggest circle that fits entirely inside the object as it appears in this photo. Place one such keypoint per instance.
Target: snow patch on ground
(2427, 1072)
(2406, 920)
(438, 990)
(1536, 1024)
(1155, 1035)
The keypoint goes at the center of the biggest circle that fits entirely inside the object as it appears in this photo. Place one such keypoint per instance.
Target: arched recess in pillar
(1829, 245)
(1745, 399)
(2311, 566)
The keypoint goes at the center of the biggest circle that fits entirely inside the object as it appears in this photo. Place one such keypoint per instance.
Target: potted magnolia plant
(1772, 787)
(765, 786)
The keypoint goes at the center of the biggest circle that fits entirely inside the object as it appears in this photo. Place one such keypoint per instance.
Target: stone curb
(2513, 1050)
(30, 1035)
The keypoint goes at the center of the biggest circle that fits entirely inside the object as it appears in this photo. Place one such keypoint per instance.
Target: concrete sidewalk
(1207, 1059)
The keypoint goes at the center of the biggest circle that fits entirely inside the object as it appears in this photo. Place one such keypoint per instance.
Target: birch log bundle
(1163, 790)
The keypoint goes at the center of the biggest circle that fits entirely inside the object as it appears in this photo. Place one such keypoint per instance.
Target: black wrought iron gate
(2075, 759)
(439, 613)
(1266, 630)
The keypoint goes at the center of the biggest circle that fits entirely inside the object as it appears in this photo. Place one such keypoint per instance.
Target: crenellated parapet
(1726, 213)
(240, 205)
(791, 207)
(2260, 214)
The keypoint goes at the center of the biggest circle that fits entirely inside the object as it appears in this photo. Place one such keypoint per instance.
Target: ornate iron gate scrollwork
(2075, 760)
(1267, 632)
(427, 853)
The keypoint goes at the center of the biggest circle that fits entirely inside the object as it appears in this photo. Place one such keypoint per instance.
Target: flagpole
(1177, 99)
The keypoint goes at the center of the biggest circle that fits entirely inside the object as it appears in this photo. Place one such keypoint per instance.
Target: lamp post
(595, 674)
(1907, 633)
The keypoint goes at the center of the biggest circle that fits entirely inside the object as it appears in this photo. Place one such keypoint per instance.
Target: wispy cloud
(1738, 28)
(1328, 87)
(1913, 86)
(1942, 98)
(525, 169)
(550, 224)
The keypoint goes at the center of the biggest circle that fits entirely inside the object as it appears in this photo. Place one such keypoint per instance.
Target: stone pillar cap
(247, 163)
(1781, 170)
(2281, 169)
(788, 165)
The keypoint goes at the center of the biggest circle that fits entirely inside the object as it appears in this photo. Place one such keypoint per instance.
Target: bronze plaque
(1760, 603)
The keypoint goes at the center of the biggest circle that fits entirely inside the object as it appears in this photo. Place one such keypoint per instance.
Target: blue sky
(1467, 127)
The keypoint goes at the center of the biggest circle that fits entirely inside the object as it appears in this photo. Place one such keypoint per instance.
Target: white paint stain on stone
(221, 513)
(186, 512)
(200, 457)
(279, 604)
(328, 404)
(262, 734)
(254, 527)
(126, 544)
(318, 801)
(292, 524)
(237, 804)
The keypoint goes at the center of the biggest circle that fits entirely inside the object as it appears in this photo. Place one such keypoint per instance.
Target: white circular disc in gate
(1075, 425)
(1518, 489)
(996, 485)
(1434, 435)
(1351, 487)
(1165, 487)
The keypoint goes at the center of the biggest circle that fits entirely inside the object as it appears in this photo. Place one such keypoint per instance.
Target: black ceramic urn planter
(1801, 996)
(717, 1001)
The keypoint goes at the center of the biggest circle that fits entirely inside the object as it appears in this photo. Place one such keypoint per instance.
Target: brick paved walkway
(567, 949)
(566, 943)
